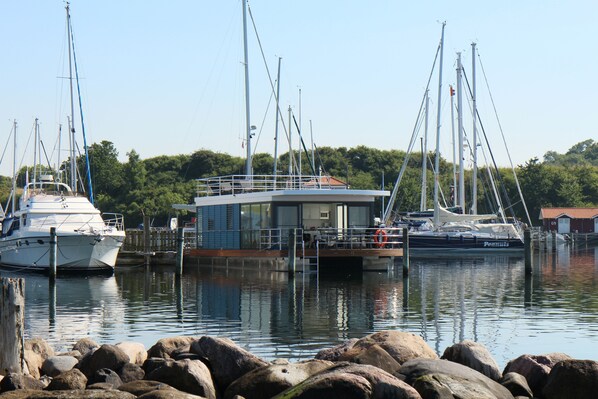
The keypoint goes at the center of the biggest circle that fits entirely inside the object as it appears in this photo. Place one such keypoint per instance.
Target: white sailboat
(86, 240)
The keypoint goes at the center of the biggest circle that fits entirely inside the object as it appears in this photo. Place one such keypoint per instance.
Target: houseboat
(298, 222)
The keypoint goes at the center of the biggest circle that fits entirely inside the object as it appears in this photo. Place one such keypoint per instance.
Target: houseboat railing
(270, 239)
(240, 184)
(325, 238)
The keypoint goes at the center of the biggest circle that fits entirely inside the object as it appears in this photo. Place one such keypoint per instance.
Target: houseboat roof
(240, 189)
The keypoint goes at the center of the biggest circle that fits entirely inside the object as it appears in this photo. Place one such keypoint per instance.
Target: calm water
(486, 299)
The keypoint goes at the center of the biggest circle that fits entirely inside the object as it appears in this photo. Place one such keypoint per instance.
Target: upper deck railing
(239, 184)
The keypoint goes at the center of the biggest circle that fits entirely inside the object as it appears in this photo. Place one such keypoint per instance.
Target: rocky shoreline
(387, 364)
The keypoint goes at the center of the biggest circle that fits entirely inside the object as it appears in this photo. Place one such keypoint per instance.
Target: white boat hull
(75, 252)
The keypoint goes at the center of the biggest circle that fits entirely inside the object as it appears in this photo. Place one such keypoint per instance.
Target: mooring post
(292, 251)
(12, 310)
(146, 239)
(405, 251)
(529, 247)
(180, 240)
(53, 251)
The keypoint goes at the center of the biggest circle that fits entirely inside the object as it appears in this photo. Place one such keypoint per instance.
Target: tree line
(149, 187)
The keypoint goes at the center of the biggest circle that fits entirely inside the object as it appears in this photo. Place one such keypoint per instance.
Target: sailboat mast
(454, 143)
(422, 203)
(248, 165)
(35, 149)
(72, 122)
(437, 158)
(291, 155)
(460, 131)
(14, 169)
(274, 171)
(474, 203)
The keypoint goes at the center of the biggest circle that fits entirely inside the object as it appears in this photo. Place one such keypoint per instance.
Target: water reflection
(488, 299)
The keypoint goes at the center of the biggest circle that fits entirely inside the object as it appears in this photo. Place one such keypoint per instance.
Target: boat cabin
(258, 212)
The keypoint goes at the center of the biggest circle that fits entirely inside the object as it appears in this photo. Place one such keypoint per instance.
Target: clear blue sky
(166, 77)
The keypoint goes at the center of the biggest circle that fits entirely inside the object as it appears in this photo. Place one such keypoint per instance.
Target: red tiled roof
(574, 213)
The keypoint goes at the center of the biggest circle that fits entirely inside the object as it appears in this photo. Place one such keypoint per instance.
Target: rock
(72, 379)
(473, 355)
(516, 384)
(34, 362)
(187, 355)
(131, 372)
(535, 368)
(74, 394)
(101, 386)
(55, 365)
(446, 379)
(165, 347)
(227, 360)
(141, 387)
(190, 376)
(85, 345)
(333, 354)
(105, 357)
(155, 362)
(36, 351)
(270, 380)
(174, 394)
(40, 347)
(572, 379)
(401, 346)
(106, 376)
(351, 381)
(135, 350)
(76, 354)
(17, 381)
(376, 356)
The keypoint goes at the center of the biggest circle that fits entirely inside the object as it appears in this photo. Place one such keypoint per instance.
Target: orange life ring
(380, 238)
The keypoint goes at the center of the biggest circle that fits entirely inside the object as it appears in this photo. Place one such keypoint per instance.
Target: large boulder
(174, 394)
(105, 357)
(106, 376)
(398, 345)
(166, 347)
(516, 384)
(333, 354)
(18, 381)
(72, 379)
(131, 372)
(73, 394)
(190, 376)
(270, 380)
(55, 365)
(446, 379)
(85, 345)
(135, 350)
(473, 355)
(350, 381)
(227, 360)
(36, 350)
(535, 368)
(572, 379)
(141, 387)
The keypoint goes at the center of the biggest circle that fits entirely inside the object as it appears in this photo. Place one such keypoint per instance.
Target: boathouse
(570, 220)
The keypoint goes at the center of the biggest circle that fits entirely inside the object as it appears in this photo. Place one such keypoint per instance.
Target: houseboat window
(229, 217)
(254, 218)
(359, 216)
(287, 216)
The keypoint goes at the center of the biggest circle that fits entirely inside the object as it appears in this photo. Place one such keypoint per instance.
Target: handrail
(240, 184)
